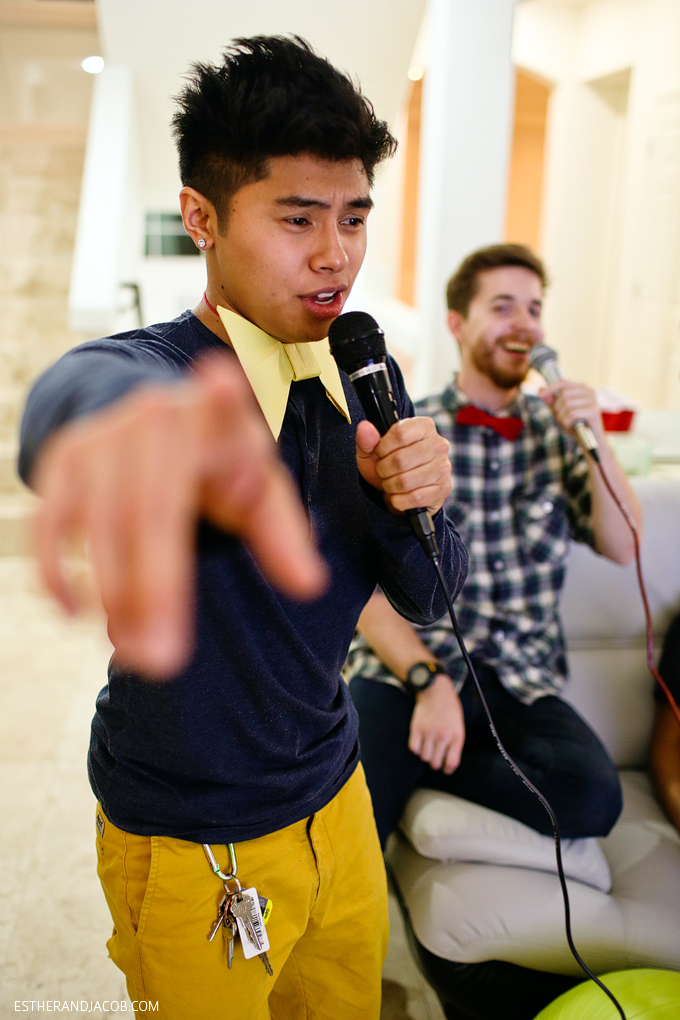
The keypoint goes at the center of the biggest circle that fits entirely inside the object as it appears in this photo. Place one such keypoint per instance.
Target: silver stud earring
(201, 242)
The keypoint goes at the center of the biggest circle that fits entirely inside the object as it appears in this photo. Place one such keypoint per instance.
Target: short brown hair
(464, 284)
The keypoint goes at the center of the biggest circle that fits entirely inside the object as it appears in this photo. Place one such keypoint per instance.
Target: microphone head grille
(356, 339)
(541, 355)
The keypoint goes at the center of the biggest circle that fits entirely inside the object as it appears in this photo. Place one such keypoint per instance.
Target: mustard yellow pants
(328, 927)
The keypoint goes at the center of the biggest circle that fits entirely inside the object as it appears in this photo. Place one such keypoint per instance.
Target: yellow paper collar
(271, 366)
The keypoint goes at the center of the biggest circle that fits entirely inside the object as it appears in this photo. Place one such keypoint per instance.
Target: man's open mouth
(325, 303)
(517, 346)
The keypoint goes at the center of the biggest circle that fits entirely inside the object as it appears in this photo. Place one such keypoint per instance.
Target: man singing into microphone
(225, 740)
(522, 487)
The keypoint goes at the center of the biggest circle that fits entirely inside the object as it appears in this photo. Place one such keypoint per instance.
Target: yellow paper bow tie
(271, 366)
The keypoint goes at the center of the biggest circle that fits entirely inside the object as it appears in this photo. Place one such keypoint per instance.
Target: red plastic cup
(617, 421)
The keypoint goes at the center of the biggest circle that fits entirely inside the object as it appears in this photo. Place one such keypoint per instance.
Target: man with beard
(522, 487)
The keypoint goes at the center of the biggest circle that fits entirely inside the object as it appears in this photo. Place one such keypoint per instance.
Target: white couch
(465, 909)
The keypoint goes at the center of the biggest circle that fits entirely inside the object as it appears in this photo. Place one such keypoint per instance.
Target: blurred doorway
(407, 262)
(525, 183)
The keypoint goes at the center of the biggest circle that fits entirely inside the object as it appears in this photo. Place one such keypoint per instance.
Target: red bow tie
(509, 428)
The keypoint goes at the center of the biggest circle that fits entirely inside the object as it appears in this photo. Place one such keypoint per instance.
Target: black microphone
(358, 346)
(544, 360)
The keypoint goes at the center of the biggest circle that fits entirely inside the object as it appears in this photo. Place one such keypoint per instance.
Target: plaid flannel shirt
(516, 504)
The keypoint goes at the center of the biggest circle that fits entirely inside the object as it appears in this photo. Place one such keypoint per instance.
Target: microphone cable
(434, 559)
(544, 360)
(641, 584)
(527, 782)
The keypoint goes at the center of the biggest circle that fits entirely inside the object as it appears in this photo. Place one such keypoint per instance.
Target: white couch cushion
(604, 625)
(613, 689)
(449, 828)
(601, 601)
(469, 912)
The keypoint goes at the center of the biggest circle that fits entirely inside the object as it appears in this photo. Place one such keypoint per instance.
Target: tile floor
(53, 919)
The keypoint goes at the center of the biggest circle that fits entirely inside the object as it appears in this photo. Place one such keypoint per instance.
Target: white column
(464, 159)
(101, 239)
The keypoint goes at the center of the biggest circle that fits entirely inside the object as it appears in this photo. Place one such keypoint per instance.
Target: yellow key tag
(266, 908)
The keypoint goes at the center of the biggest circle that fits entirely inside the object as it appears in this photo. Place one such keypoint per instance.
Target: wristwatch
(421, 675)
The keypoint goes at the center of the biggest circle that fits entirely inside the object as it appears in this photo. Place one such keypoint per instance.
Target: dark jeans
(550, 742)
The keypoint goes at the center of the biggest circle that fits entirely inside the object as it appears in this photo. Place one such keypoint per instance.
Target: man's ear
(455, 321)
(199, 217)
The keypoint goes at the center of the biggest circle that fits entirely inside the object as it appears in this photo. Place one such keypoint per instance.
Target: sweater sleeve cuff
(80, 383)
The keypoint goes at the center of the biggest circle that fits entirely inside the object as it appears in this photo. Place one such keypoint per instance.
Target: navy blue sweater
(258, 731)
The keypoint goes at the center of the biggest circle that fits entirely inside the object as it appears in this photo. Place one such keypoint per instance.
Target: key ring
(228, 891)
(216, 868)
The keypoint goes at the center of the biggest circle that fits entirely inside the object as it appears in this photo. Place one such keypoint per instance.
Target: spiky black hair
(270, 96)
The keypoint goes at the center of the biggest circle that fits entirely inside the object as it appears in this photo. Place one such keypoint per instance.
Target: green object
(634, 453)
(643, 994)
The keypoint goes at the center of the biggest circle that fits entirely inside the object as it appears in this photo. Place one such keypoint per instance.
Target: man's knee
(597, 803)
(609, 804)
(591, 789)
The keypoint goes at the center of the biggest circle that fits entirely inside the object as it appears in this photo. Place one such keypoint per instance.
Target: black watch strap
(421, 675)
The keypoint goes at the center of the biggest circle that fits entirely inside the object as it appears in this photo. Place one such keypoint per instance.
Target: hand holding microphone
(544, 360)
(413, 461)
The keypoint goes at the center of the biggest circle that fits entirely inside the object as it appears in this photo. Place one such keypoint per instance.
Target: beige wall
(40, 73)
(611, 223)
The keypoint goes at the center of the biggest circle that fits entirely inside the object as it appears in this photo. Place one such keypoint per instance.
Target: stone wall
(39, 193)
